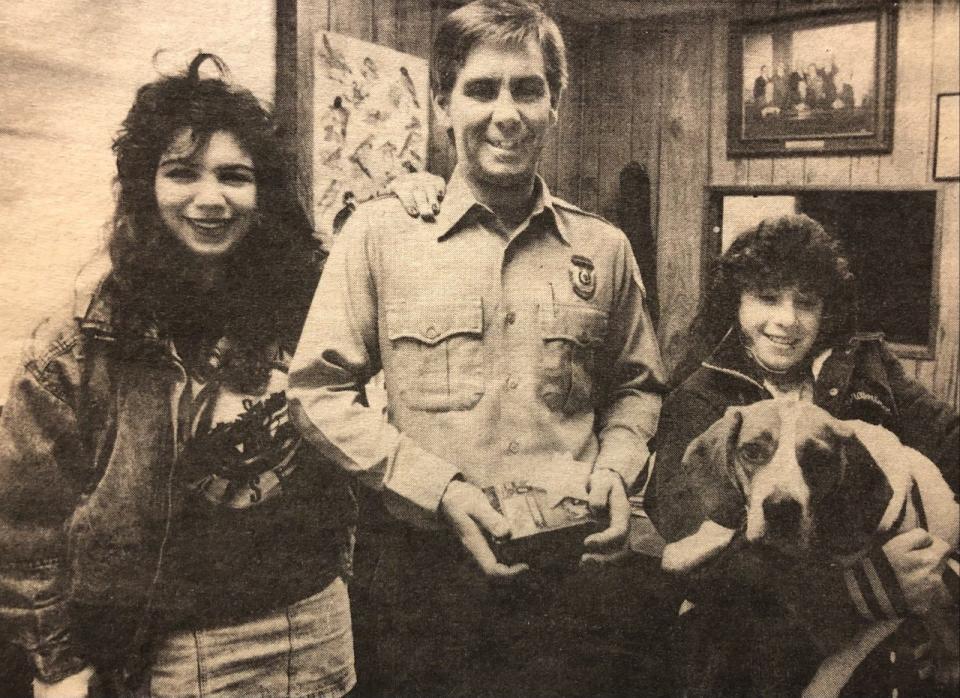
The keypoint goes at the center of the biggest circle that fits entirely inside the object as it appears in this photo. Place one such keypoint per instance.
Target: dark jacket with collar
(91, 506)
(860, 380)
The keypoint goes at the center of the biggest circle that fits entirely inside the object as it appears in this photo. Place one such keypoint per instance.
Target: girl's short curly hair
(271, 273)
(786, 251)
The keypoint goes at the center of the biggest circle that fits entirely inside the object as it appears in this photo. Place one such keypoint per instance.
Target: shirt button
(513, 447)
(511, 317)
(431, 332)
(834, 392)
(512, 384)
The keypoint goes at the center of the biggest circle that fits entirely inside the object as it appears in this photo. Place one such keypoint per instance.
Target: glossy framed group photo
(812, 83)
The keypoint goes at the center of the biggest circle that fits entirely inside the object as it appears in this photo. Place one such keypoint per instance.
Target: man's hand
(606, 493)
(918, 559)
(469, 514)
(420, 193)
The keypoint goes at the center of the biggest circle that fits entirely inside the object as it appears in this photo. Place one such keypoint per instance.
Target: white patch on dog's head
(778, 497)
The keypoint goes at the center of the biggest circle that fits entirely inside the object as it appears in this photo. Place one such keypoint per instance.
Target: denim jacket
(90, 501)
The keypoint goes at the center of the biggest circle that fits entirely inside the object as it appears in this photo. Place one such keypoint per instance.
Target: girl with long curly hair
(163, 527)
(779, 320)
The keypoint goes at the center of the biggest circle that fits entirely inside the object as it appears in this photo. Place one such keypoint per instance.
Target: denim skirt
(301, 650)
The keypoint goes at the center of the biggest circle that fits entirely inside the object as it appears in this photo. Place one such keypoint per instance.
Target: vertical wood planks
(647, 75)
(570, 127)
(385, 23)
(353, 18)
(615, 105)
(683, 174)
(946, 78)
(722, 170)
(595, 73)
(760, 171)
(297, 23)
(827, 171)
(413, 27)
(789, 171)
(864, 170)
(908, 161)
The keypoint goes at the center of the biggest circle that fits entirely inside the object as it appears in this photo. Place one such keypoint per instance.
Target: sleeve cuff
(417, 482)
(622, 453)
(873, 588)
(75, 684)
(54, 664)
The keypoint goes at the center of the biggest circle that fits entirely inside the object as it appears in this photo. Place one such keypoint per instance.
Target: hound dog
(792, 477)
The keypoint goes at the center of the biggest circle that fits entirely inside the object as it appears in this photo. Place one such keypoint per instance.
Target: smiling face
(780, 326)
(207, 195)
(499, 111)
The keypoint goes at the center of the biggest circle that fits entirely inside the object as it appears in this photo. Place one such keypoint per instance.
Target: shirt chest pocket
(438, 354)
(573, 336)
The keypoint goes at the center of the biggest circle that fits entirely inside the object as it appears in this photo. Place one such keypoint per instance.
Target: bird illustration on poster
(370, 124)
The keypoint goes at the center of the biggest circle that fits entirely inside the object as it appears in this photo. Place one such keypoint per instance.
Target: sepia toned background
(69, 70)
(648, 84)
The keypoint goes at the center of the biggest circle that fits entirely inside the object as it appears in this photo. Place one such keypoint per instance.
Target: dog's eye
(753, 453)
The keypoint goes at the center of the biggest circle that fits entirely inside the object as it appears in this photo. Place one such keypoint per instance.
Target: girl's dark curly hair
(270, 276)
(786, 251)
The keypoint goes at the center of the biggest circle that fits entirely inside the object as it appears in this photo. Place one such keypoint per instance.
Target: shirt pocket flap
(431, 324)
(580, 324)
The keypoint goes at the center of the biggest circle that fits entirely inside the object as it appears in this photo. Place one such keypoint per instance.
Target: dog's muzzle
(783, 515)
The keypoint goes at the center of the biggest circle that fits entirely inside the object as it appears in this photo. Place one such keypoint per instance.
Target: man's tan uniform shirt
(501, 350)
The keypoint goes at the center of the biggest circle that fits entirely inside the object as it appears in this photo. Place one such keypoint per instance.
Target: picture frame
(812, 84)
(946, 144)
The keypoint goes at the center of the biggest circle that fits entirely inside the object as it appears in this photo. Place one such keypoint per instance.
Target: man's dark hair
(507, 23)
(780, 252)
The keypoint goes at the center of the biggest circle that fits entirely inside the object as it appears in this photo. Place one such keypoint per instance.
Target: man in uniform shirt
(514, 341)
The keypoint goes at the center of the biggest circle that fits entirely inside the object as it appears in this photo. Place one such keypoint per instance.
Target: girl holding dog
(163, 528)
(779, 320)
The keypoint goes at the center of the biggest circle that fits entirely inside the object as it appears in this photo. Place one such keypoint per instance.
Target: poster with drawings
(370, 123)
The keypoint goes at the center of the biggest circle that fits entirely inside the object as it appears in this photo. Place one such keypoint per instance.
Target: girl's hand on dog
(918, 559)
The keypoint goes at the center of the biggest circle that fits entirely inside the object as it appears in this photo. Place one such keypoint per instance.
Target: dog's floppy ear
(708, 470)
(849, 515)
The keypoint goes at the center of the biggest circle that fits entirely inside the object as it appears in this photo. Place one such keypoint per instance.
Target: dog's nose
(782, 514)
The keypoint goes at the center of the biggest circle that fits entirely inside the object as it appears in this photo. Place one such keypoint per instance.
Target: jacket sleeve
(634, 375)
(337, 354)
(39, 449)
(814, 594)
(671, 499)
(927, 424)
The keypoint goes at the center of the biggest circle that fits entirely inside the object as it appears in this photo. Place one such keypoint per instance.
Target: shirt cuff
(417, 483)
(624, 454)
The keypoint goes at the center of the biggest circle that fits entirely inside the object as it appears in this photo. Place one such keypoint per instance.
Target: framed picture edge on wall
(785, 131)
(943, 138)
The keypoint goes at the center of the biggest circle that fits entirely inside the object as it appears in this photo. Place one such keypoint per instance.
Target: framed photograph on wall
(946, 153)
(812, 84)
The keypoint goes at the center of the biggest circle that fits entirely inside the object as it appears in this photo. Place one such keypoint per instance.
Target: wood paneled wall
(660, 99)
(654, 91)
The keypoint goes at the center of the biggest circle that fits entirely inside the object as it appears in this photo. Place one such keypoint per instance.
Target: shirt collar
(459, 202)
